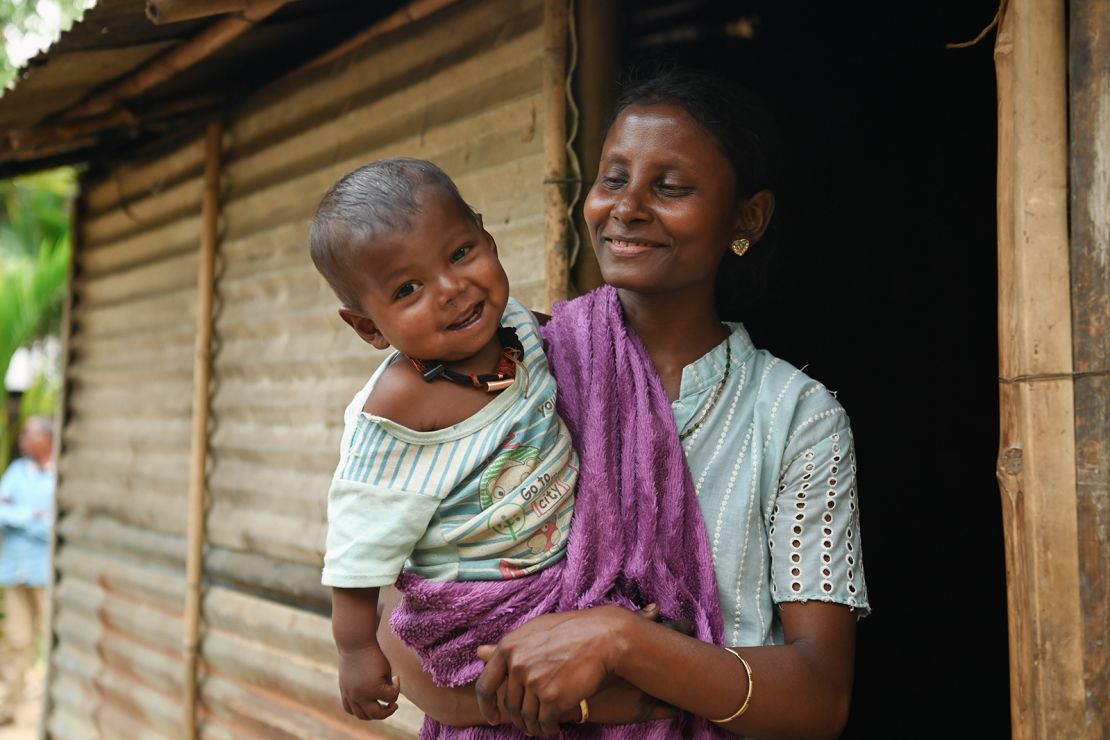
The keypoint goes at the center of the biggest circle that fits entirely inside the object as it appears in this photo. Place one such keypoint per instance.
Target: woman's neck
(674, 331)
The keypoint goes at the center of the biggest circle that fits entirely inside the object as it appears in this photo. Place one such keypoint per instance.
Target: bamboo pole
(118, 118)
(174, 11)
(1089, 119)
(410, 13)
(202, 365)
(61, 415)
(209, 41)
(1036, 463)
(556, 220)
(595, 91)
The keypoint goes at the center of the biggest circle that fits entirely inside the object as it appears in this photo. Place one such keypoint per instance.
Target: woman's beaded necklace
(716, 394)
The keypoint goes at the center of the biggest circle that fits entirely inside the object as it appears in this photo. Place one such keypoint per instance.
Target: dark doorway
(884, 288)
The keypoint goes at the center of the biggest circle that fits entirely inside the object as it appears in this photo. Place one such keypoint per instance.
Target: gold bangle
(585, 707)
(747, 699)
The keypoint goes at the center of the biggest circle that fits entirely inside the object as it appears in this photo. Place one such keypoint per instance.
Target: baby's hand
(366, 683)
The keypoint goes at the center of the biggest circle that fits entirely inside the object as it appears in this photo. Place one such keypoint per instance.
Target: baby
(453, 464)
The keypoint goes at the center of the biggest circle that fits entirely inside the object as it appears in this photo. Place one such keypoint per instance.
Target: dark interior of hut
(884, 288)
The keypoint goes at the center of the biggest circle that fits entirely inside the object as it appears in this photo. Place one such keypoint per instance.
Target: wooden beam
(173, 11)
(181, 57)
(61, 416)
(198, 463)
(1036, 464)
(556, 220)
(414, 11)
(1089, 79)
(598, 24)
(126, 119)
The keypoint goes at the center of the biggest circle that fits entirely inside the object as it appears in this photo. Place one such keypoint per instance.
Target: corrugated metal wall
(461, 88)
(116, 669)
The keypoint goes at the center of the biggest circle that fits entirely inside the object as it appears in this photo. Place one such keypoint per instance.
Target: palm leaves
(30, 291)
(33, 209)
(34, 264)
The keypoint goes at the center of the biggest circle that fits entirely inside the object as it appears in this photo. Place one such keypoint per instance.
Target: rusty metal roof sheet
(114, 40)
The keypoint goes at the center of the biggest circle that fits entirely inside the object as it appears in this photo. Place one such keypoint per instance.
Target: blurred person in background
(26, 518)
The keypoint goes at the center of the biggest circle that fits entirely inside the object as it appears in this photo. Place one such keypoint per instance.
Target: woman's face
(664, 208)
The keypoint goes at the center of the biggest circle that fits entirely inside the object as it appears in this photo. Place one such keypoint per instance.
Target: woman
(682, 196)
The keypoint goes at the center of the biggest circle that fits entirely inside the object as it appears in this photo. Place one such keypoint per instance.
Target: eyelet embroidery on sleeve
(849, 558)
(817, 503)
(779, 548)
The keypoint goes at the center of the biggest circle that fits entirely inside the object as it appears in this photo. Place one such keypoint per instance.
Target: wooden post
(1036, 463)
(61, 415)
(1089, 79)
(202, 367)
(556, 220)
(595, 84)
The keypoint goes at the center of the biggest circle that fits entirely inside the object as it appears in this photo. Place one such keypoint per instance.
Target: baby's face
(436, 291)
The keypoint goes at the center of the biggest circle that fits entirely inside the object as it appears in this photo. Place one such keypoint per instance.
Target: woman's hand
(536, 676)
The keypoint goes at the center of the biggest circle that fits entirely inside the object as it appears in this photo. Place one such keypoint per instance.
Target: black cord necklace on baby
(503, 375)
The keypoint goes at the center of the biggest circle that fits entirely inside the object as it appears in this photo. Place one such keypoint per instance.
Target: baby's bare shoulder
(402, 396)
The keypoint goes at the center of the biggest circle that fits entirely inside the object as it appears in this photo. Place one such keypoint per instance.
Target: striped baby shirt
(488, 498)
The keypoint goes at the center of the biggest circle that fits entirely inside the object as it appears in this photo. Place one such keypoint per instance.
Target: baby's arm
(366, 682)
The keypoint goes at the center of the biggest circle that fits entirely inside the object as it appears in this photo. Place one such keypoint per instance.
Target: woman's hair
(745, 131)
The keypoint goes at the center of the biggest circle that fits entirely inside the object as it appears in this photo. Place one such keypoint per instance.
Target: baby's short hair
(381, 197)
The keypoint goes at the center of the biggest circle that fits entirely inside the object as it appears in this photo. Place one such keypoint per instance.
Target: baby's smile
(469, 318)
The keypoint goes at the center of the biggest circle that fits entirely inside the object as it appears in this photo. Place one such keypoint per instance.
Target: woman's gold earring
(740, 246)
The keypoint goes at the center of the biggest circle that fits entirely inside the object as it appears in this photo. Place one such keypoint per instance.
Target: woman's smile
(628, 247)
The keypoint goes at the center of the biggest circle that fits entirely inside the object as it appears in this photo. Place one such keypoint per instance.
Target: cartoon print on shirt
(506, 472)
(544, 539)
(507, 519)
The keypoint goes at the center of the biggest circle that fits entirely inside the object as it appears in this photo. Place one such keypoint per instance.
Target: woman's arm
(801, 688)
(455, 706)
(618, 703)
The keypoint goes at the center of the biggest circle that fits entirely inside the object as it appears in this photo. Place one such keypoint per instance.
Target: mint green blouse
(775, 470)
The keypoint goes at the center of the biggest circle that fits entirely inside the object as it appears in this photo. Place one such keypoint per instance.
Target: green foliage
(34, 256)
(34, 265)
(29, 24)
(34, 210)
(30, 290)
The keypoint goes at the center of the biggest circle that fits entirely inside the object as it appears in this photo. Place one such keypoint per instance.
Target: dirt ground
(26, 725)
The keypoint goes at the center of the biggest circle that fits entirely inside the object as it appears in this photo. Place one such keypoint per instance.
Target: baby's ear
(364, 326)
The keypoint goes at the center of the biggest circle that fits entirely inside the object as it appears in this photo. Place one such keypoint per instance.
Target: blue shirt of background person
(27, 512)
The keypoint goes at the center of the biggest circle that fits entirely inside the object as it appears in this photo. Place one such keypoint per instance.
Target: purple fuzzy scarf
(637, 535)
